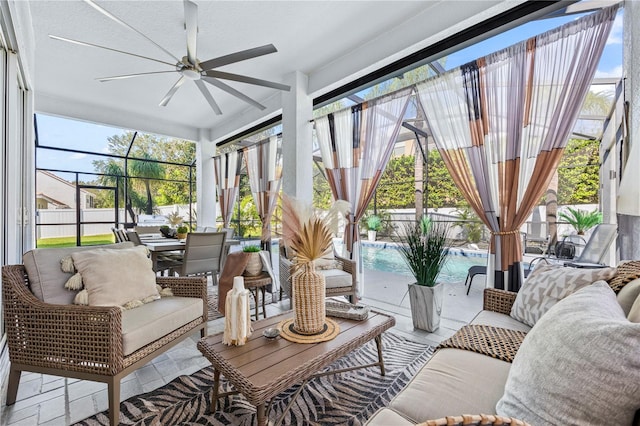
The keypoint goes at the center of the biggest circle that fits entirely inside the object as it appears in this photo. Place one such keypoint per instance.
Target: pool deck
(387, 292)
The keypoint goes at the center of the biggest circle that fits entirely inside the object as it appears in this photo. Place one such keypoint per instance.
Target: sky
(60, 132)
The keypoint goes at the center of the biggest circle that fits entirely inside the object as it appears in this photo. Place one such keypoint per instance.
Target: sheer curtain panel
(264, 167)
(356, 144)
(501, 124)
(227, 167)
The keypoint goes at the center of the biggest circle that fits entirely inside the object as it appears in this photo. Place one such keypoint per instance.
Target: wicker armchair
(499, 301)
(83, 342)
(346, 265)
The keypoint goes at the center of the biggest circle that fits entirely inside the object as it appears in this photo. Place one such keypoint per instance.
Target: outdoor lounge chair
(594, 252)
(473, 271)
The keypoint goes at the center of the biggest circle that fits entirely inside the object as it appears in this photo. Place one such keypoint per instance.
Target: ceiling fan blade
(121, 22)
(122, 77)
(222, 86)
(191, 25)
(249, 80)
(84, 43)
(172, 91)
(238, 56)
(208, 97)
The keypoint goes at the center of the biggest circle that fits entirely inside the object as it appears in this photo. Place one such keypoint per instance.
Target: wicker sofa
(455, 382)
(48, 334)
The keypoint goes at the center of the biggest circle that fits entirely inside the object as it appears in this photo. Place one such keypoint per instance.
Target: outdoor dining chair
(165, 262)
(203, 254)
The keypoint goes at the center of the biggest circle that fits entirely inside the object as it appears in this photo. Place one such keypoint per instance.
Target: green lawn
(89, 240)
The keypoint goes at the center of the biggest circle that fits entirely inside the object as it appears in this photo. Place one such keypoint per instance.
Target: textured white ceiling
(330, 41)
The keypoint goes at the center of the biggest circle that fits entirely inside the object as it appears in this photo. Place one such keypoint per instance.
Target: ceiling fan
(189, 67)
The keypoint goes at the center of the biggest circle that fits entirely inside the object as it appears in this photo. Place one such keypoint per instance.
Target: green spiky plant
(251, 249)
(581, 220)
(374, 223)
(424, 249)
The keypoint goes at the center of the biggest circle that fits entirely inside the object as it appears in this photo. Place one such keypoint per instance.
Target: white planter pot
(372, 235)
(426, 306)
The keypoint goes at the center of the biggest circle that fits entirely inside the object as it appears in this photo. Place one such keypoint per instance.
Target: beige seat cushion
(634, 312)
(147, 323)
(46, 279)
(628, 295)
(387, 417)
(453, 382)
(116, 277)
(496, 319)
(335, 278)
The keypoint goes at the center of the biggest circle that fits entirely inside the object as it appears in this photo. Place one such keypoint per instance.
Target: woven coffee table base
(496, 342)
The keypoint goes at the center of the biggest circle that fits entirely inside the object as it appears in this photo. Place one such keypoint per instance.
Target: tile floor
(50, 400)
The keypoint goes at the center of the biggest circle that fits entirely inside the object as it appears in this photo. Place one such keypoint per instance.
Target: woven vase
(308, 288)
(254, 265)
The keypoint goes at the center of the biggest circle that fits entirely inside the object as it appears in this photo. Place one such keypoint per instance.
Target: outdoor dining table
(157, 246)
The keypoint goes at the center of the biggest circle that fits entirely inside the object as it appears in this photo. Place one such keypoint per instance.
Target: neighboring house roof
(52, 200)
(66, 182)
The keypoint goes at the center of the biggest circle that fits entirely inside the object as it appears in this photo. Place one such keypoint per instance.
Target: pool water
(389, 259)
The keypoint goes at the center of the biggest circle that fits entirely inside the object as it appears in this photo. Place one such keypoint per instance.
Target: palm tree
(114, 176)
(581, 220)
(147, 171)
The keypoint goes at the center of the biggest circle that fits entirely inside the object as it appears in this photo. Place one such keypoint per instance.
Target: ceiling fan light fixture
(191, 74)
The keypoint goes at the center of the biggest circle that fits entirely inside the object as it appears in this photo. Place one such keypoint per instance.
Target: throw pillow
(326, 262)
(117, 277)
(550, 285)
(627, 272)
(82, 298)
(578, 365)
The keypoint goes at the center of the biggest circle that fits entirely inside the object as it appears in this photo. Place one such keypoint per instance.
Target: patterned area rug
(344, 399)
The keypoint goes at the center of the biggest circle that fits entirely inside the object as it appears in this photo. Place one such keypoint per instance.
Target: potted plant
(581, 220)
(181, 232)
(175, 219)
(423, 248)
(374, 223)
(254, 264)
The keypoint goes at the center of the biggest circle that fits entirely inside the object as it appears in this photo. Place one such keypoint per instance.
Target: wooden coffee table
(263, 368)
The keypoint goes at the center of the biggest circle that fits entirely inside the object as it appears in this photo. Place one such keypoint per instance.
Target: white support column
(629, 193)
(205, 180)
(297, 149)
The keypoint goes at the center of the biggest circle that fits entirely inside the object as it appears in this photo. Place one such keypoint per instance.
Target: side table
(257, 284)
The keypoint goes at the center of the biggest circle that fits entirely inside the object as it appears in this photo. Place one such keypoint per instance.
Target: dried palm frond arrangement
(307, 232)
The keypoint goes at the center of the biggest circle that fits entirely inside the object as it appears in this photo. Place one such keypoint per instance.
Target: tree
(322, 195)
(441, 190)
(114, 177)
(146, 171)
(174, 190)
(396, 187)
(579, 173)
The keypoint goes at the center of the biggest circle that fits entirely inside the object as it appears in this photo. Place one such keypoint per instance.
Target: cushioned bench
(457, 382)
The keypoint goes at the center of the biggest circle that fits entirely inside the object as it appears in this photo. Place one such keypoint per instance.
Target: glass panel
(73, 134)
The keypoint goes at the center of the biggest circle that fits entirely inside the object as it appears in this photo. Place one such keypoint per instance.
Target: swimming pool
(387, 258)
